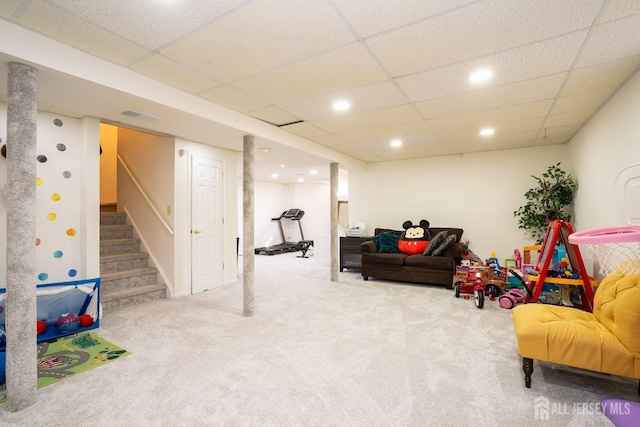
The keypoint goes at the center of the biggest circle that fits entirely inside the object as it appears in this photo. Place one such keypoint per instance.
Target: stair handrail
(148, 200)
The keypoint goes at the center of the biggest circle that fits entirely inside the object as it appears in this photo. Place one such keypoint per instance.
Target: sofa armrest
(368, 247)
(454, 251)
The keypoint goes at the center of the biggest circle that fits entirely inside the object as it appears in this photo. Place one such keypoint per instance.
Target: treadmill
(293, 215)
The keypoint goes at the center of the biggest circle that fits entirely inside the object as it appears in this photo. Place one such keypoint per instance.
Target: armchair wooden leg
(527, 367)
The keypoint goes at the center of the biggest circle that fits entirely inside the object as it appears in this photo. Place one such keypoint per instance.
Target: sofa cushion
(429, 262)
(385, 258)
(386, 242)
(439, 250)
(435, 242)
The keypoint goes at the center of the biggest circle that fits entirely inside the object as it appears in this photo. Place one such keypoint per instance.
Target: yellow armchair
(607, 340)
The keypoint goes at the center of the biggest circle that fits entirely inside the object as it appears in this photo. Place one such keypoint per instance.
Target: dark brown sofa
(399, 267)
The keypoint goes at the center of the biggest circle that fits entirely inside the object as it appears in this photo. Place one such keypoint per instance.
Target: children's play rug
(64, 357)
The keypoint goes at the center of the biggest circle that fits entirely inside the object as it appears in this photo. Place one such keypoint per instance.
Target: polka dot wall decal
(73, 272)
(55, 197)
(43, 276)
(52, 217)
(57, 254)
(57, 122)
(71, 232)
(38, 241)
(61, 147)
(39, 181)
(66, 174)
(42, 158)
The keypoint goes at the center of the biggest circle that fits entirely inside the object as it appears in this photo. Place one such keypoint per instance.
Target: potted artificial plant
(550, 200)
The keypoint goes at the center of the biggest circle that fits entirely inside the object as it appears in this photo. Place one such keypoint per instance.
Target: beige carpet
(318, 353)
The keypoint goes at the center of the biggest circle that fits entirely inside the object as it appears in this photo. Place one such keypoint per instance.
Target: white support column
(21, 353)
(248, 225)
(335, 250)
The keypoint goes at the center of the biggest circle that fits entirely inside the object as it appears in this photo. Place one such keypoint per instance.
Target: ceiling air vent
(139, 116)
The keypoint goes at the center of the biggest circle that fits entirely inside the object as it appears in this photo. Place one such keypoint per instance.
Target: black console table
(350, 254)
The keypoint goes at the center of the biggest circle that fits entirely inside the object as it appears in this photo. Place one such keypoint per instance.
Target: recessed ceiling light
(274, 175)
(313, 172)
(480, 76)
(487, 132)
(341, 105)
(265, 149)
(282, 165)
(300, 179)
(396, 143)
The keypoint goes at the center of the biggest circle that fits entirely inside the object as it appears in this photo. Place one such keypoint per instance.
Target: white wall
(67, 199)
(609, 142)
(476, 192)
(150, 160)
(181, 155)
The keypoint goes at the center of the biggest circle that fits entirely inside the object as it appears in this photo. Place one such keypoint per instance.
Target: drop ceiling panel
(245, 43)
(397, 131)
(453, 134)
(478, 30)
(382, 15)
(600, 76)
(612, 40)
(172, 73)
(364, 98)
(306, 130)
(381, 117)
(61, 25)
(536, 60)
(150, 23)
(584, 100)
(328, 72)
(8, 7)
(494, 97)
(616, 9)
(233, 98)
(274, 115)
(571, 118)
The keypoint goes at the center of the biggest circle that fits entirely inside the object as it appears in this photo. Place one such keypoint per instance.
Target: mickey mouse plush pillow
(415, 238)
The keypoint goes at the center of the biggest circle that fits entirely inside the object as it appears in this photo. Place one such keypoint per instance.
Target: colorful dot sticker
(55, 197)
(43, 276)
(61, 147)
(57, 254)
(57, 122)
(73, 272)
(66, 174)
(39, 181)
(52, 217)
(71, 232)
(42, 158)
(38, 241)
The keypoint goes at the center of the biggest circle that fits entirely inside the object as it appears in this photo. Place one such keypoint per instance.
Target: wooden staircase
(125, 272)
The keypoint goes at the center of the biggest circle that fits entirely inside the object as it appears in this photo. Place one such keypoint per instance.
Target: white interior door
(206, 224)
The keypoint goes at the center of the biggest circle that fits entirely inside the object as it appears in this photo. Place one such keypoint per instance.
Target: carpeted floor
(318, 353)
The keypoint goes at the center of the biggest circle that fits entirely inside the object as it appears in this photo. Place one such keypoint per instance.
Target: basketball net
(617, 249)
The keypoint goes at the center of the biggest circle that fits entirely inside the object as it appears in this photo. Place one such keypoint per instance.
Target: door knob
(196, 231)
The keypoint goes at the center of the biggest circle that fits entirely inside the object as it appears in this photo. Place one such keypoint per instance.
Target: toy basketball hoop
(616, 248)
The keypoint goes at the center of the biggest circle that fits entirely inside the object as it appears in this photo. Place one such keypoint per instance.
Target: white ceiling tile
(600, 76)
(274, 116)
(307, 130)
(570, 118)
(73, 31)
(242, 44)
(582, 101)
(8, 7)
(519, 64)
(382, 15)
(381, 117)
(559, 134)
(160, 68)
(494, 97)
(234, 99)
(150, 23)
(616, 9)
(385, 133)
(328, 72)
(478, 30)
(364, 98)
(502, 130)
(611, 40)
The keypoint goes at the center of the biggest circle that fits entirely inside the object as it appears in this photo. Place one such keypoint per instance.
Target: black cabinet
(350, 254)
